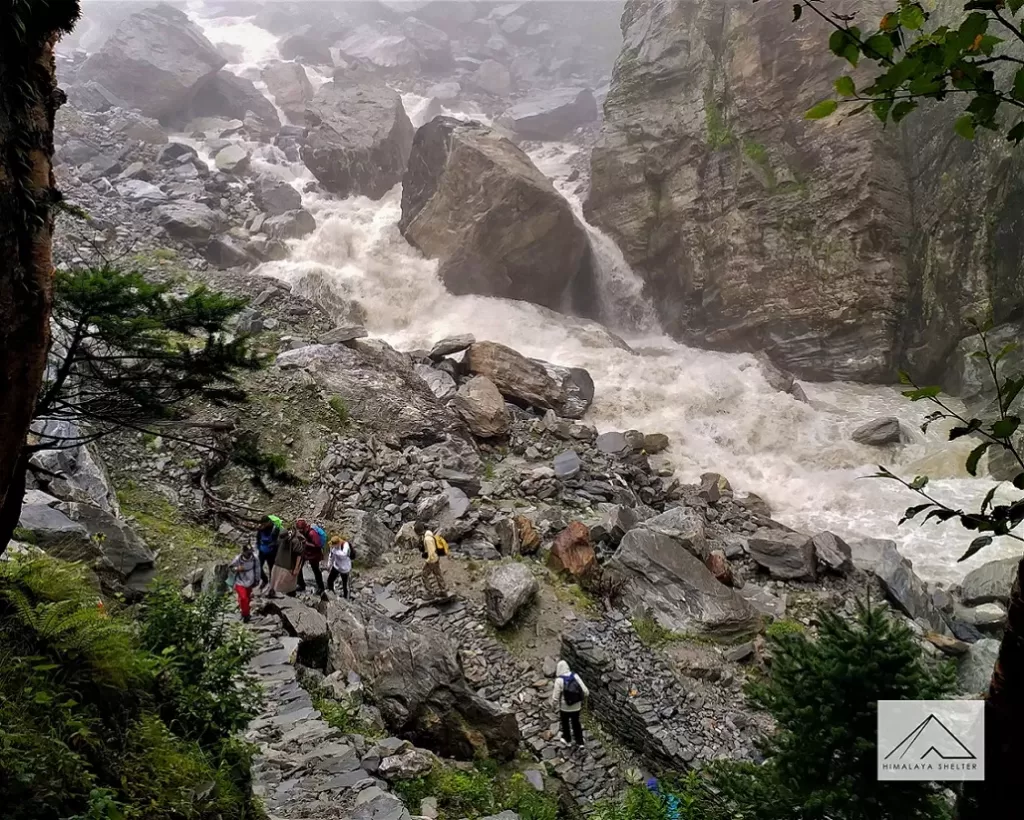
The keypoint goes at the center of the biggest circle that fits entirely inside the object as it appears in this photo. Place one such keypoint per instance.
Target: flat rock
(451, 345)
(551, 115)
(989, 583)
(441, 384)
(785, 555)
(340, 335)
(832, 552)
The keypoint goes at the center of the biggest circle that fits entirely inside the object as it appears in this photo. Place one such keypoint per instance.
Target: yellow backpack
(441, 545)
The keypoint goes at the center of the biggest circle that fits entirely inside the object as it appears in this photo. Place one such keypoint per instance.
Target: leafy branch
(999, 432)
(917, 62)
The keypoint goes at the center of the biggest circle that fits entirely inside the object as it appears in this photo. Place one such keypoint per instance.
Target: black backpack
(572, 692)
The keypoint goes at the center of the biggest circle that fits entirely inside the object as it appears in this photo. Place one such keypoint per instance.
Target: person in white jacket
(339, 562)
(568, 695)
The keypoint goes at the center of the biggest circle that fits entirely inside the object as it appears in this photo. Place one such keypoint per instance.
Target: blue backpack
(321, 534)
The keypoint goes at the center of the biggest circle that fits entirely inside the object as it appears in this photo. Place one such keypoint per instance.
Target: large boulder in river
(414, 678)
(380, 389)
(666, 581)
(359, 139)
(879, 432)
(290, 88)
(233, 97)
(551, 115)
(475, 202)
(155, 61)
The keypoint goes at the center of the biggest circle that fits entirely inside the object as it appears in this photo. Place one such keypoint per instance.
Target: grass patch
(652, 634)
(719, 134)
(489, 470)
(340, 409)
(183, 545)
(477, 792)
(573, 594)
(784, 626)
(343, 716)
(24, 536)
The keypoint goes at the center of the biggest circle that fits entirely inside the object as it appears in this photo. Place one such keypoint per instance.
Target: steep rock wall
(843, 250)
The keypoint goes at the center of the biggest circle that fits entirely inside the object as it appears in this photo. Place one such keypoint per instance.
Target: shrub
(651, 633)
(784, 626)
(340, 409)
(477, 792)
(87, 730)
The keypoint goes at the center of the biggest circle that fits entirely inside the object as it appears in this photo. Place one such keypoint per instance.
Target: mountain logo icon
(931, 739)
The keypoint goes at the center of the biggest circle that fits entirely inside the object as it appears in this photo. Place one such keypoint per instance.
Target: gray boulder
(189, 220)
(414, 678)
(359, 139)
(141, 192)
(290, 88)
(666, 581)
(155, 61)
(389, 53)
(612, 443)
(380, 389)
(833, 552)
(521, 380)
(227, 95)
(682, 525)
(551, 115)
(567, 465)
(989, 583)
(907, 591)
(232, 159)
(880, 432)
(275, 196)
(510, 587)
(122, 553)
(369, 536)
(451, 345)
(290, 225)
(785, 555)
(441, 384)
(867, 553)
(494, 78)
(482, 407)
(80, 474)
(54, 532)
(515, 237)
(974, 672)
(432, 45)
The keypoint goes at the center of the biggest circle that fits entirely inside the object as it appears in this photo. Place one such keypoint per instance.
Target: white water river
(717, 409)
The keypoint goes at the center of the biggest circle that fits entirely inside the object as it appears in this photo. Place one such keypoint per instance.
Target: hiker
(671, 801)
(287, 564)
(568, 696)
(434, 546)
(247, 573)
(268, 533)
(315, 538)
(339, 562)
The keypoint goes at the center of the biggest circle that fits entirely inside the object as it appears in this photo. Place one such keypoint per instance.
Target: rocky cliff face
(841, 249)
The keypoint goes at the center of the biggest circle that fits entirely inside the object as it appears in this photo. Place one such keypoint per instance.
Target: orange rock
(572, 551)
(719, 566)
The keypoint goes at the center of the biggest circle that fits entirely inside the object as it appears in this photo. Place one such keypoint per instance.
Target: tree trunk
(27, 196)
(1004, 723)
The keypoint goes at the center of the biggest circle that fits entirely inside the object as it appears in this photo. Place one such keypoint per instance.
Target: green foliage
(681, 798)
(206, 689)
(477, 792)
(340, 409)
(651, 633)
(24, 536)
(974, 58)
(784, 626)
(718, 132)
(87, 716)
(823, 697)
(342, 716)
(998, 433)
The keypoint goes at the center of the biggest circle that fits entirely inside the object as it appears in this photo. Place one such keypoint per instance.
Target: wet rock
(413, 677)
(510, 588)
(232, 159)
(154, 61)
(519, 379)
(516, 237)
(713, 487)
(275, 196)
(907, 591)
(359, 139)
(612, 443)
(785, 555)
(290, 225)
(290, 87)
(227, 95)
(833, 552)
(880, 432)
(551, 115)
(975, 669)
(655, 443)
(482, 407)
(676, 589)
(572, 551)
(451, 346)
(441, 384)
(989, 583)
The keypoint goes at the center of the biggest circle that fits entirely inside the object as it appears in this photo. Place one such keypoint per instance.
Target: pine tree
(130, 354)
(823, 695)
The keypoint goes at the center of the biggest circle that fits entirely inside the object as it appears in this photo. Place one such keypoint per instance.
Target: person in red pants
(247, 574)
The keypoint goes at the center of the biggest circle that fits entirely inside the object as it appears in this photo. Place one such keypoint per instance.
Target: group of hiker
(277, 557)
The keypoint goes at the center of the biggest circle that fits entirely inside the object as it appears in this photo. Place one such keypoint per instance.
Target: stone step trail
(591, 773)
